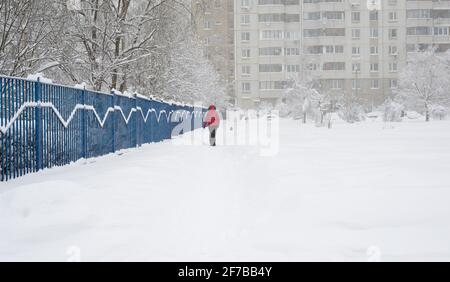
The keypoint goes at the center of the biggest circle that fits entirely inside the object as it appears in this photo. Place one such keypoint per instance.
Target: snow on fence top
(40, 78)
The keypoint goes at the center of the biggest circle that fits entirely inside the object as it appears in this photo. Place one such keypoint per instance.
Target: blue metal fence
(44, 125)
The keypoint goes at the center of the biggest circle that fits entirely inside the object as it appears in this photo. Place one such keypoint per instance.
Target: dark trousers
(212, 135)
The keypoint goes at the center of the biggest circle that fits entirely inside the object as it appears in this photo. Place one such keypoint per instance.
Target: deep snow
(359, 192)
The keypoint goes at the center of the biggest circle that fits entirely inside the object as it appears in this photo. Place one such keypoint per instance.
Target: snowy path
(356, 192)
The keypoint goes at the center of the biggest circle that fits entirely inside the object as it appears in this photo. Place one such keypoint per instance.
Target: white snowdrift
(354, 193)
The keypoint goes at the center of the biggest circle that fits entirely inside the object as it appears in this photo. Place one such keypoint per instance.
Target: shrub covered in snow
(375, 115)
(351, 109)
(392, 111)
(413, 115)
(439, 112)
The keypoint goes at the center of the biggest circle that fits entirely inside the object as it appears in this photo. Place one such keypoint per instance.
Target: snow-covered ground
(359, 192)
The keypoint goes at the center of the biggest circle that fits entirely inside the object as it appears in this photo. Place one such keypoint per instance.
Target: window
(246, 87)
(393, 17)
(272, 85)
(292, 35)
(374, 32)
(278, 2)
(245, 19)
(322, 1)
(315, 49)
(410, 48)
(333, 66)
(356, 33)
(291, 51)
(313, 67)
(373, 16)
(440, 14)
(418, 14)
(374, 67)
(356, 51)
(393, 33)
(375, 84)
(339, 49)
(270, 51)
(441, 31)
(356, 84)
(207, 25)
(393, 83)
(313, 32)
(245, 3)
(291, 18)
(337, 83)
(418, 30)
(245, 36)
(356, 16)
(393, 50)
(312, 16)
(392, 2)
(279, 18)
(270, 68)
(329, 49)
(317, 32)
(373, 50)
(246, 70)
(356, 67)
(245, 53)
(333, 15)
(293, 68)
(271, 35)
(393, 67)
(335, 32)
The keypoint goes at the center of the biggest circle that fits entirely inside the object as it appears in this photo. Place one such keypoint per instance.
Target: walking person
(212, 121)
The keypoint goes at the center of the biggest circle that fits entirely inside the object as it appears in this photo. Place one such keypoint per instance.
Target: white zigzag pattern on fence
(65, 123)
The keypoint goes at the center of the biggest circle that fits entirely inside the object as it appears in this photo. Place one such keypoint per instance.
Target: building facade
(351, 46)
(214, 23)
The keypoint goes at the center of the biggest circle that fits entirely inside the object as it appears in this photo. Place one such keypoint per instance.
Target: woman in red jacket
(212, 121)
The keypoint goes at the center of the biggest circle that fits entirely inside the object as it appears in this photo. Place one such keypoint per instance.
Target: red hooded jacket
(212, 117)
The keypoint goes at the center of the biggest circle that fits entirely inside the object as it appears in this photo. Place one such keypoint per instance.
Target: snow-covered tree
(425, 81)
(439, 112)
(392, 111)
(144, 46)
(191, 77)
(27, 30)
(300, 98)
(350, 107)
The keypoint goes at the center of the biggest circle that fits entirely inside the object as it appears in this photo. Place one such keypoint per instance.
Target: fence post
(137, 120)
(38, 124)
(113, 117)
(83, 124)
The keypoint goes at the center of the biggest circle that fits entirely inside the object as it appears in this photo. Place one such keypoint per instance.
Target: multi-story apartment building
(214, 23)
(353, 46)
(428, 25)
(268, 48)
